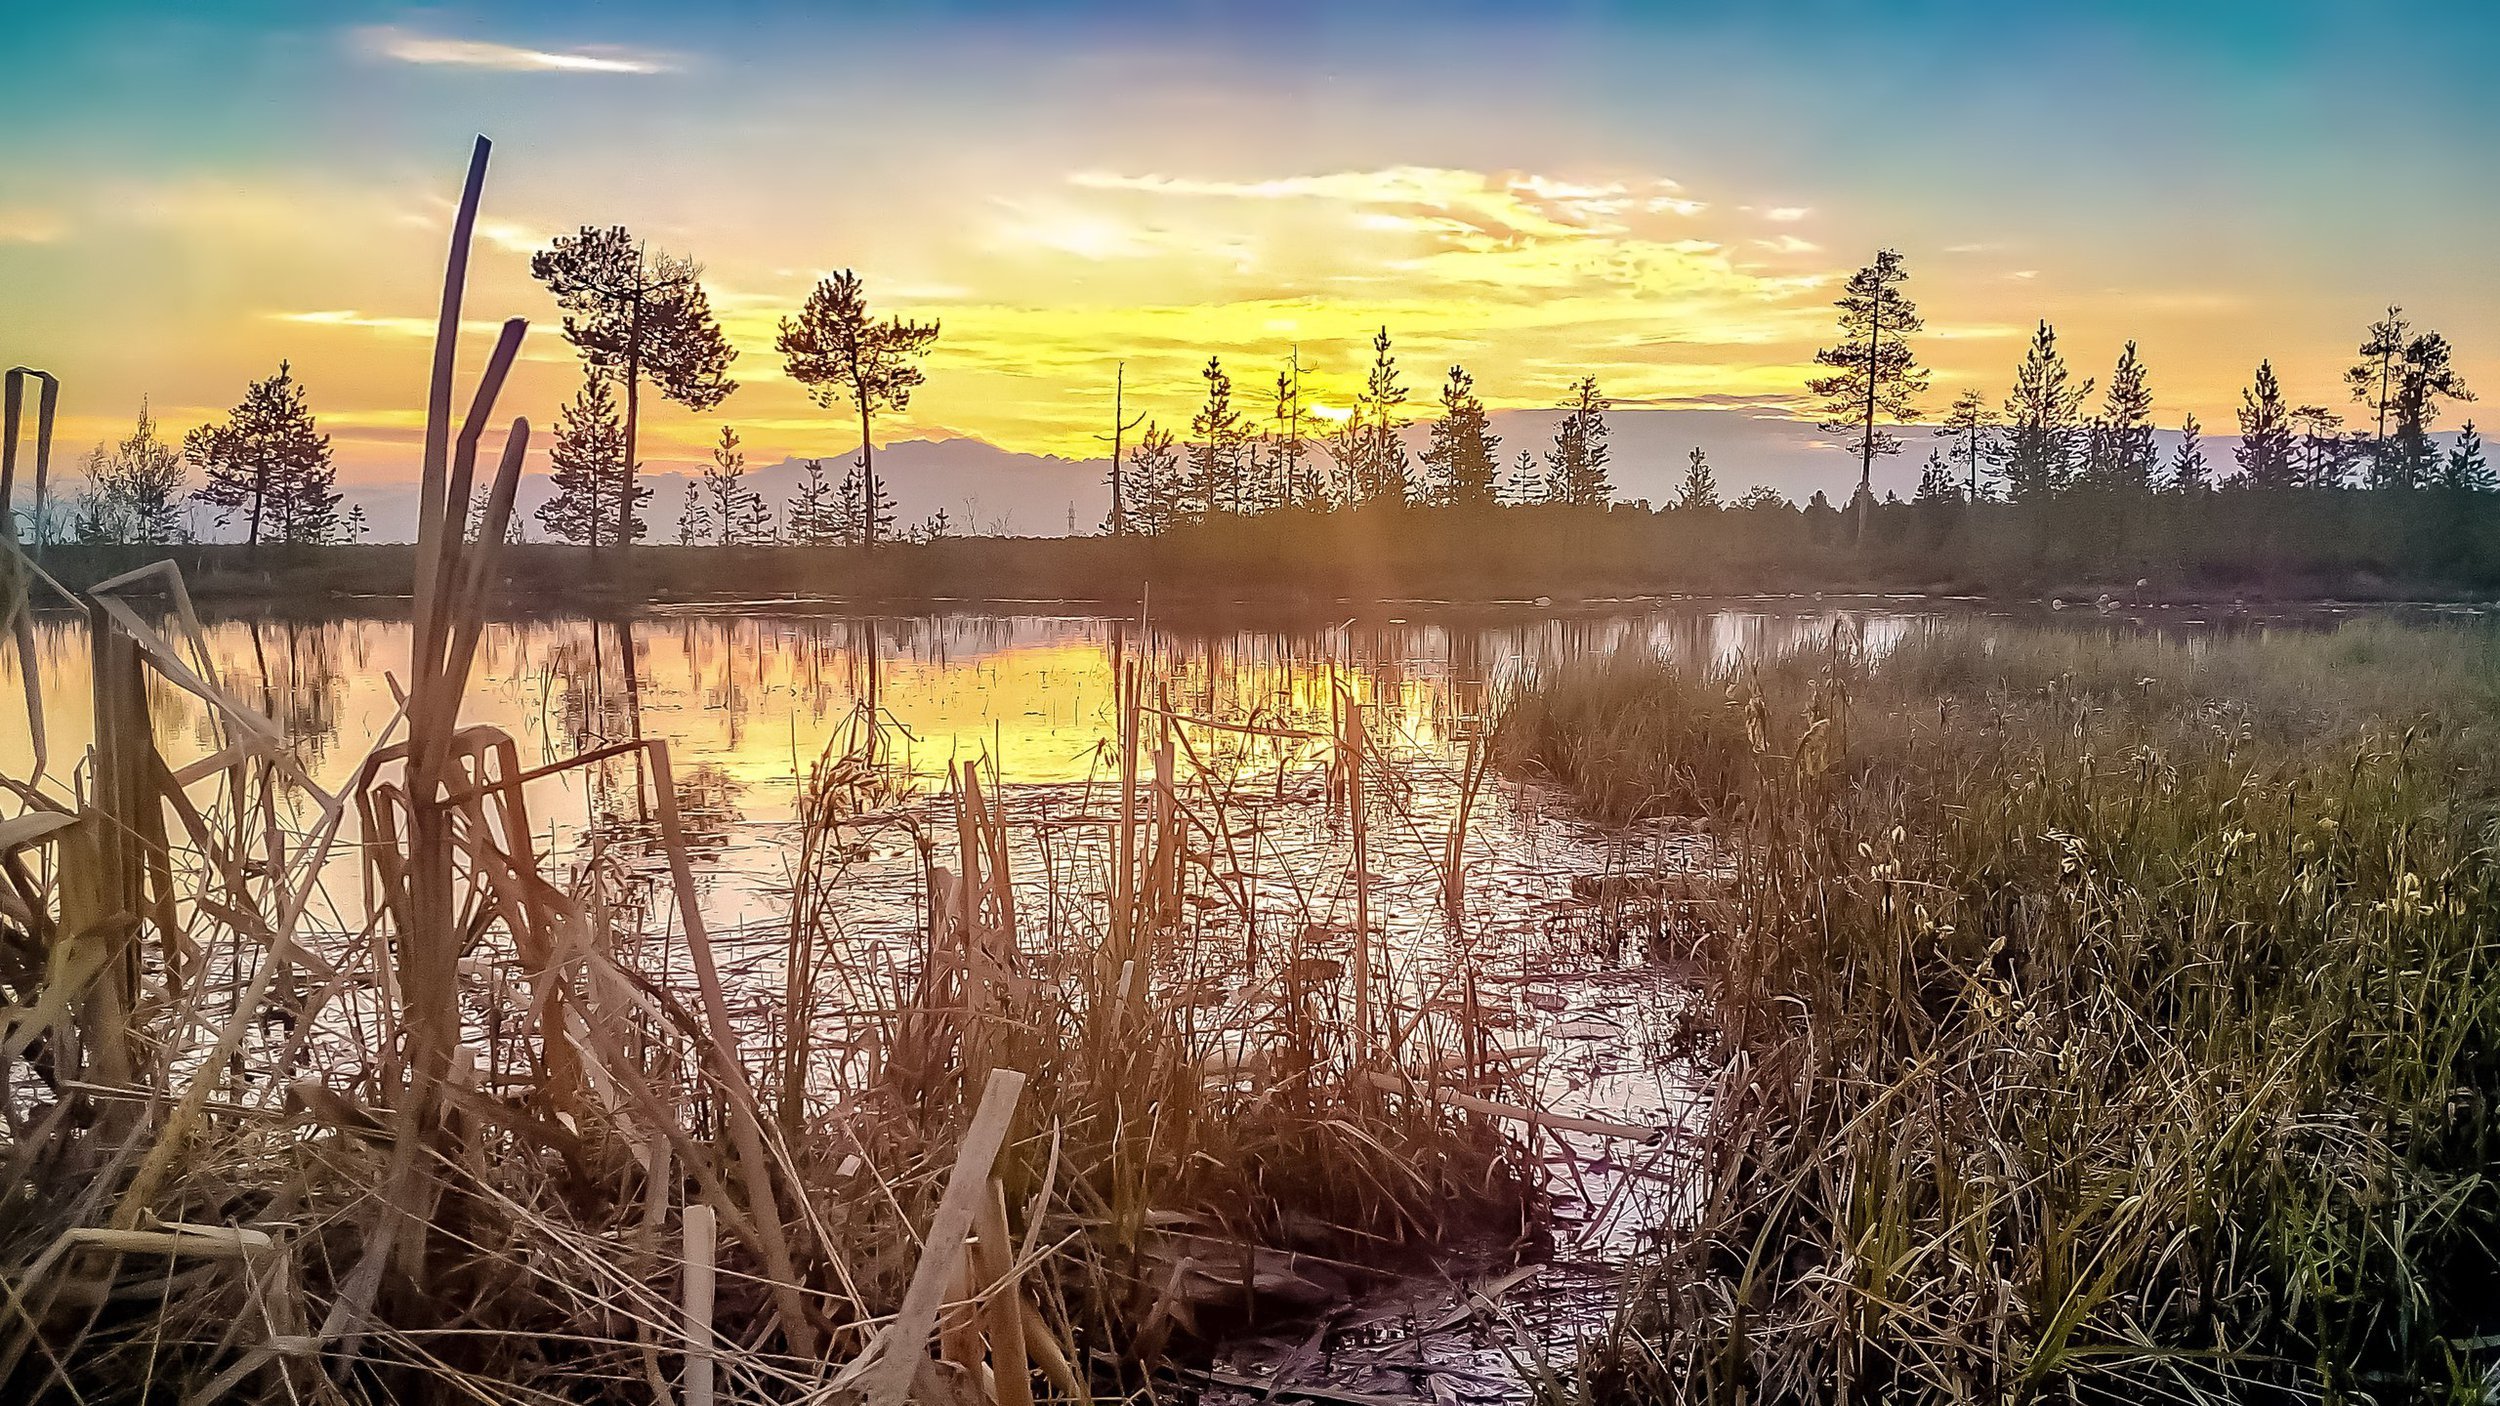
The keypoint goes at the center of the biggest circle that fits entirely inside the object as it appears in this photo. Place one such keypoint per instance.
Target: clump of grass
(2106, 1015)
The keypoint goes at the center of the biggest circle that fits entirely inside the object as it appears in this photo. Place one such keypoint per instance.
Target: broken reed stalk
(1350, 745)
(701, 1235)
(902, 1354)
(746, 1123)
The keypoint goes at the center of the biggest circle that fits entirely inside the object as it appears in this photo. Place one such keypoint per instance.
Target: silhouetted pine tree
(1156, 493)
(1700, 489)
(2464, 470)
(813, 515)
(733, 514)
(637, 316)
(2189, 472)
(1875, 376)
(2373, 379)
(1380, 458)
(1970, 424)
(694, 518)
(590, 473)
(2427, 377)
(1461, 456)
(1936, 482)
(863, 510)
(1524, 484)
(2119, 454)
(2323, 454)
(1575, 468)
(1216, 448)
(2264, 452)
(270, 462)
(1297, 480)
(936, 527)
(2038, 449)
(479, 501)
(844, 357)
(134, 489)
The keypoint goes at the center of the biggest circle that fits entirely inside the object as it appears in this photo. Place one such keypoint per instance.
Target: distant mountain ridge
(988, 490)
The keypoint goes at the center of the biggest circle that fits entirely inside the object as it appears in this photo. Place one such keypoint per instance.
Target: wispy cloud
(25, 225)
(406, 46)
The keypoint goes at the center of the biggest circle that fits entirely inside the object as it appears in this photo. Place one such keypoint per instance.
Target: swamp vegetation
(2102, 1017)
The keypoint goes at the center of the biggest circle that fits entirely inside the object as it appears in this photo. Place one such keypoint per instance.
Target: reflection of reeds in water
(480, 1138)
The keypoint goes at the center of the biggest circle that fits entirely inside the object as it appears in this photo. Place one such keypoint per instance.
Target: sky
(1663, 195)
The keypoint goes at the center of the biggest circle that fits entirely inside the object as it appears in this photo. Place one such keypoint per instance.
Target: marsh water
(752, 698)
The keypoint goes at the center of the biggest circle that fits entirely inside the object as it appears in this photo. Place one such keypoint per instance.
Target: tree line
(640, 321)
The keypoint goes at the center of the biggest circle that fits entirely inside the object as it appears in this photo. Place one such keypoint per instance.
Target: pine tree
(2464, 470)
(2188, 470)
(1700, 490)
(1462, 453)
(812, 513)
(694, 518)
(731, 513)
(2264, 453)
(590, 475)
(1875, 376)
(2324, 453)
(134, 489)
(2428, 377)
(270, 462)
(936, 527)
(1157, 492)
(843, 357)
(1971, 426)
(2037, 451)
(1762, 497)
(1217, 442)
(1936, 481)
(636, 316)
(863, 509)
(479, 501)
(1525, 485)
(2374, 378)
(358, 528)
(1297, 483)
(1380, 460)
(1575, 468)
(2119, 453)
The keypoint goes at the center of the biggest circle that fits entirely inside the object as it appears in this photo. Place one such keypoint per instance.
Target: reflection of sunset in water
(754, 698)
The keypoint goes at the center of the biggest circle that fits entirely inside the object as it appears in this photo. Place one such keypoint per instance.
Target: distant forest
(2061, 480)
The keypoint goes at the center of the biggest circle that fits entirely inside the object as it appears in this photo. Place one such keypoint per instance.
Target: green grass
(2105, 1016)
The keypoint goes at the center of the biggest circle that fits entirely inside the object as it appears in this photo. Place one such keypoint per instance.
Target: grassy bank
(2106, 1018)
(2291, 545)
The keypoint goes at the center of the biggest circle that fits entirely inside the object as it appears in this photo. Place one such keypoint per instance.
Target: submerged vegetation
(2104, 1017)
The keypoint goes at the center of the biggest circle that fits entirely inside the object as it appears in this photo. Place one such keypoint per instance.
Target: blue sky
(1661, 194)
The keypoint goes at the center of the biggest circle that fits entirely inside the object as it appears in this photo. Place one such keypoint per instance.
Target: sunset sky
(1662, 194)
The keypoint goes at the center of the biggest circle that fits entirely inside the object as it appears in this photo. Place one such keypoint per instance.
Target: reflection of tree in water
(707, 804)
(293, 670)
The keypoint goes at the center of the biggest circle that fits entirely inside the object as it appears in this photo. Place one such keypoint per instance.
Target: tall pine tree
(2119, 453)
(637, 316)
(844, 357)
(2037, 452)
(2265, 452)
(1575, 468)
(1462, 453)
(1875, 376)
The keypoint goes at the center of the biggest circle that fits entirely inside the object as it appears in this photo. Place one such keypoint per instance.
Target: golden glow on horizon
(1671, 297)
